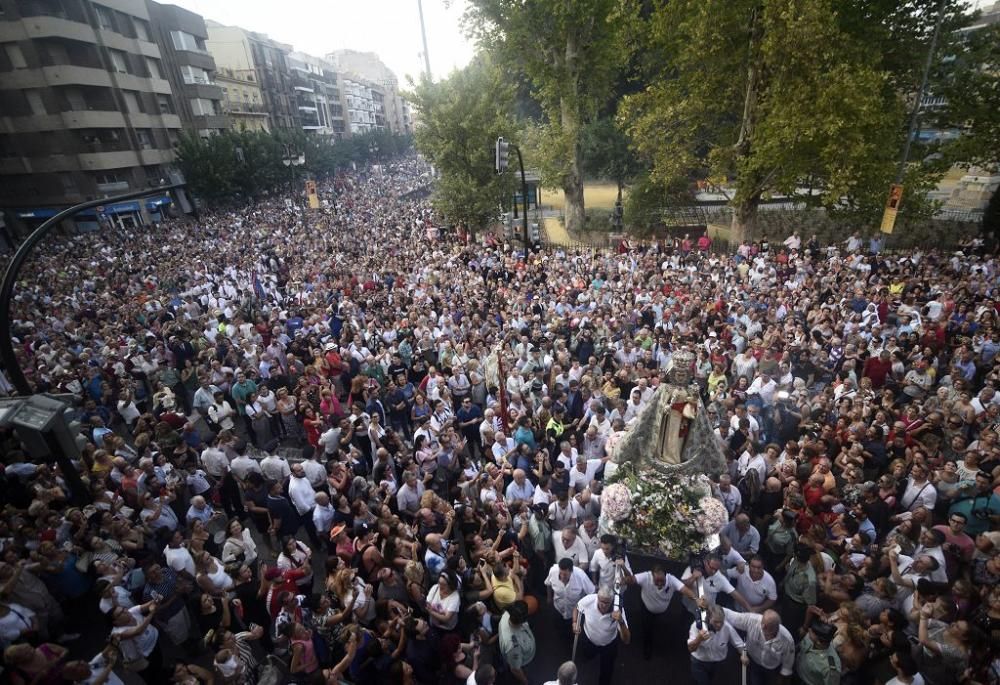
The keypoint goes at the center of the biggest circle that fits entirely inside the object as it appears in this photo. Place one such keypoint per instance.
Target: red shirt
(877, 370)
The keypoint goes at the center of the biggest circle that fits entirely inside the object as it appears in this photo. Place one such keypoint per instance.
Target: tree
(768, 96)
(973, 98)
(460, 119)
(571, 53)
(606, 153)
(209, 165)
(991, 216)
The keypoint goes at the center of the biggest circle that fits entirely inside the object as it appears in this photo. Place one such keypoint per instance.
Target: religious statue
(672, 433)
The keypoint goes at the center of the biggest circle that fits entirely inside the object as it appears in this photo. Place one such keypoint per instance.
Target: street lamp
(292, 160)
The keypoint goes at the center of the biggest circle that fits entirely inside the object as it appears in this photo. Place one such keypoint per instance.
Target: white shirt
(923, 495)
(756, 592)
(501, 448)
(143, 644)
(243, 465)
(315, 473)
(566, 595)
(657, 600)
(917, 680)
(180, 559)
(561, 517)
(215, 462)
(17, 621)
(301, 492)
(716, 647)
(578, 479)
(711, 586)
(770, 654)
(275, 468)
(330, 440)
(323, 518)
(97, 666)
(600, 628)
(731, 500)
(577, 551)
(600, 563)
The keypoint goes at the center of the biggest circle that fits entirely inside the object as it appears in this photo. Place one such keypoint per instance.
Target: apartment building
(86, 108)
(242, 100)
(242, 52)
(368, 67)
(317, 95)
(189, 68)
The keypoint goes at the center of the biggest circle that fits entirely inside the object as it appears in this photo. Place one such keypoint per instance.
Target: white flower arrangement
(663, 515)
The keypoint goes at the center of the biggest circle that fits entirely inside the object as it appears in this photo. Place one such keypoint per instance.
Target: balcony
(154, 156)
(228, 107)
(93, 119)
(14, 165)
(47, 27)
(116, 187)
(57, 75)
(210, 121)
(95, 161)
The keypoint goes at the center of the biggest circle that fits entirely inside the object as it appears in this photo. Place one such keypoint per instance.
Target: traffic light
(502, 152)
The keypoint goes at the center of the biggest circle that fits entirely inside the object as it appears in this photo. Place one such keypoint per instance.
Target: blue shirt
(524, 492)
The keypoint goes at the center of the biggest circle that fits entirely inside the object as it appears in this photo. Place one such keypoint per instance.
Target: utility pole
(423, 35)
(896, 189)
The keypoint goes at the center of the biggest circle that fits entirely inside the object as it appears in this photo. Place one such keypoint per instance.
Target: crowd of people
(322, 448)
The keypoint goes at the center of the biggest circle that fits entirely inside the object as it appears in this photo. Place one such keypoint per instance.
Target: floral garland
(670, 516)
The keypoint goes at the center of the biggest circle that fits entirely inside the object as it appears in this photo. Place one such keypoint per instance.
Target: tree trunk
(573, 206)
(744, 220)
(569, 105)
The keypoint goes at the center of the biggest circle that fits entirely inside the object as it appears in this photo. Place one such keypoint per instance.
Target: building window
(141, 29)
(118, 61)
(184, 41)
(34, 98)
(15, 56)
(145, 138)
(68, 183)
(131, 102)
(153, 65)
(105, 17)
(194, 75)
(201, 107)
(165, 104)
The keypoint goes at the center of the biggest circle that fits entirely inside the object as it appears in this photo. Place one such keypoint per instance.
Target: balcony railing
(114, 187)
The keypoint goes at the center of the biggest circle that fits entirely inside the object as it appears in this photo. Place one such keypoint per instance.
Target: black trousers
(608, 654)
(758, 675)
(229, 495)
(648, 625)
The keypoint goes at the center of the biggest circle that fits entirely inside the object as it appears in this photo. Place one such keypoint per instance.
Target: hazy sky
(390, 28)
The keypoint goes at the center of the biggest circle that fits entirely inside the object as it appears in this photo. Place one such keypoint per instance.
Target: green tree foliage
(460, 119)
(973, 97)
(606, 153)
(245, 164)
(772, 95)
(571, 51)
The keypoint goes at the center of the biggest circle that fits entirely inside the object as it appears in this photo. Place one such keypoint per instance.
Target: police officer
(602, 626)
(818, 662)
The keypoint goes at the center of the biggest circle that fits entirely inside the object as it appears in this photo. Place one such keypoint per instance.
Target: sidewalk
(555, 232)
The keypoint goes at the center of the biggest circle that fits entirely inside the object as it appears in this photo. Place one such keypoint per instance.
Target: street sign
(891, 208)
